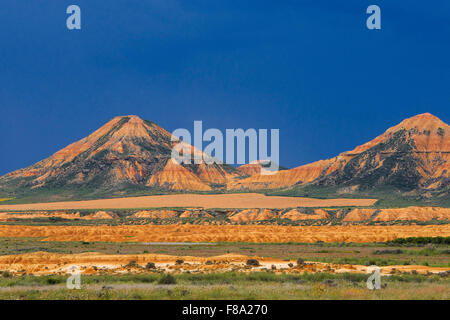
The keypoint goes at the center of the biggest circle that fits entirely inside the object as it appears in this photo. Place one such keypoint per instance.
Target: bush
(420, 240)
(167, 279)
(146, 280)
(179, 261)
(132, 264)
(387, 251)
(53, 281)
(150, 265)
(253, 262)
(300, 262)
(6, 274)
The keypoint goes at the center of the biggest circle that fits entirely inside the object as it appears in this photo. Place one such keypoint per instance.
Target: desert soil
(41, 263)
(248, 200)
(227, 233)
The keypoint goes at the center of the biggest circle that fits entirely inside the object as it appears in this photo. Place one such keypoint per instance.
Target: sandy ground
(41, 263)
(227, 233)
(99, 215)
(247, 200)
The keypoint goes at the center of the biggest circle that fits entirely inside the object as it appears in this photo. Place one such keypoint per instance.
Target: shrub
(253, 262)
(387, 251)
(6, 274)
(179, 261)
(132, 264)
(167, 279)
(52, 281)
(300, 262)
(146, 280)
(150, 265)
(420, 240)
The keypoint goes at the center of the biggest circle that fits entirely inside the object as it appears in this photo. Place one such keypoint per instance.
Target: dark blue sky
(310, 68)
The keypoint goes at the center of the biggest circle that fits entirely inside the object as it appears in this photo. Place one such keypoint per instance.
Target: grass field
(380, 254)
(262, 285)
(257, 284)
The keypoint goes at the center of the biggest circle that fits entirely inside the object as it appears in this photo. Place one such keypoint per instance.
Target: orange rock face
(195, 214)
(156, 214)
(176, 177)
(250, 168)
(399, 214)
(302, 174)
(413, 213)
(248, 215)
(296, 214)
(100, 215)
(359, 215)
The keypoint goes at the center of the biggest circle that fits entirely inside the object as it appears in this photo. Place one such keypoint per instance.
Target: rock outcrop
(127, 153)
(412, 155)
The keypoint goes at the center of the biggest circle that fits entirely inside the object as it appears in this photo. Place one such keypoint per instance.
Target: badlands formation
(223, 233)
(322, 216)
(44, 263)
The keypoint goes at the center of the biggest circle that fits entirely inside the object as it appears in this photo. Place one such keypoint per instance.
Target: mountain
(257, 166)
(127, 153)
(413, 155)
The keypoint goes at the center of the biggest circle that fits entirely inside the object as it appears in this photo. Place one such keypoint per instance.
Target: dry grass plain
(246, 200)
(224, 233)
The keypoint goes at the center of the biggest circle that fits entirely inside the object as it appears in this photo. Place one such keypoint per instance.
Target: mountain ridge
(128, 153)
(424, 138)
(125, 152)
